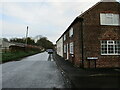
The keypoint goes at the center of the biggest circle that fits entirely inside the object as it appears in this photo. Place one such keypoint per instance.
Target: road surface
(37, 71)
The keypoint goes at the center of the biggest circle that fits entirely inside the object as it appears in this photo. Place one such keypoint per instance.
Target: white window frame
(110, 43)
(64, 37)
(110, 19)
(65, 49)
(71, 48)
(71, 32)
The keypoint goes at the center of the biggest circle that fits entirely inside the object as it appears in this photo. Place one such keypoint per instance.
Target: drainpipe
(81, 41)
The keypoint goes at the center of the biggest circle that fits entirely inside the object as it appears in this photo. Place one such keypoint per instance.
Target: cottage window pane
(104, 42)
(119, 49)
(118, 42)
(64, 37)
(111, 47)
(109, 15)
(116, 20)
(64, 48)
(104, 47)
(102, 19)
(71, 32)
(110, 42)
(71, 48)
(109, 19)
(104, 51)
(116, 48)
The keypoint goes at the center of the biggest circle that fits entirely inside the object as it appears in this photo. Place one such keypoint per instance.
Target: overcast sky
(48, 18)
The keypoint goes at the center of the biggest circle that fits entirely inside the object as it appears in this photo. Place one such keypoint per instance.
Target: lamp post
(26, 36)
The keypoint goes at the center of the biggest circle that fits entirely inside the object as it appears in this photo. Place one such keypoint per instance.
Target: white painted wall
(60, 47)
(5, 44)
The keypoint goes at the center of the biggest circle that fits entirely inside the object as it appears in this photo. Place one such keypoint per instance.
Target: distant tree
(45, 43)
(36, 38)
(42, 41)
(30, 41)
(22, 40)
(18, 40)
(5, 39)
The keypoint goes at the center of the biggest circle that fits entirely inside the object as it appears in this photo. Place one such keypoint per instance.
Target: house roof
(97, 5)
(108, 1)
(75, 20)
(79, 18)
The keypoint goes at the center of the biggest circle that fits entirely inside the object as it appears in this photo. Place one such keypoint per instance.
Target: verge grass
(14, 56)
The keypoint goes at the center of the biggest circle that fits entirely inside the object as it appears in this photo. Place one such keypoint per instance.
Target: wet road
(38, 71)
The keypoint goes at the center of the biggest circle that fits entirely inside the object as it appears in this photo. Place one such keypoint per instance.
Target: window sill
(110, 54)
(109, 25)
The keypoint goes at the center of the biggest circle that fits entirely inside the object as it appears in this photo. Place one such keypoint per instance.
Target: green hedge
(12, 56)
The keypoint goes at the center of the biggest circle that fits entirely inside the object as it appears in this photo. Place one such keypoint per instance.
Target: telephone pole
(26, 36)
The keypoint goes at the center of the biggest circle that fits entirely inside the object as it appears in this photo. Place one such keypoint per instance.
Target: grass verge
(14, 56)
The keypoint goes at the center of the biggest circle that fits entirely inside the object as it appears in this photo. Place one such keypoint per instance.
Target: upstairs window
(64, 37)
(109, 19)
(110, 47)
(71, 32)
(65, 49)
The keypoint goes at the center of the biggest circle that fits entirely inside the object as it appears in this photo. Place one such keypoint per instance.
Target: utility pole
(26, 36)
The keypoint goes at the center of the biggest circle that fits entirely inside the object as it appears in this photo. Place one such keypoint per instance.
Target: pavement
(88, 78)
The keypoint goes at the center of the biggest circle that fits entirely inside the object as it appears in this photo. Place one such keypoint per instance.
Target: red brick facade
(88, 34)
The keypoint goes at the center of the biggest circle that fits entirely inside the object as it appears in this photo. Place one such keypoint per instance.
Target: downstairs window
(110, 47)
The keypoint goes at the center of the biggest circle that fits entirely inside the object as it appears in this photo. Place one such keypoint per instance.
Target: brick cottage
(93, 38)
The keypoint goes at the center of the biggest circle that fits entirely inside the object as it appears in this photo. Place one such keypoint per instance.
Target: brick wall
(93, 33)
